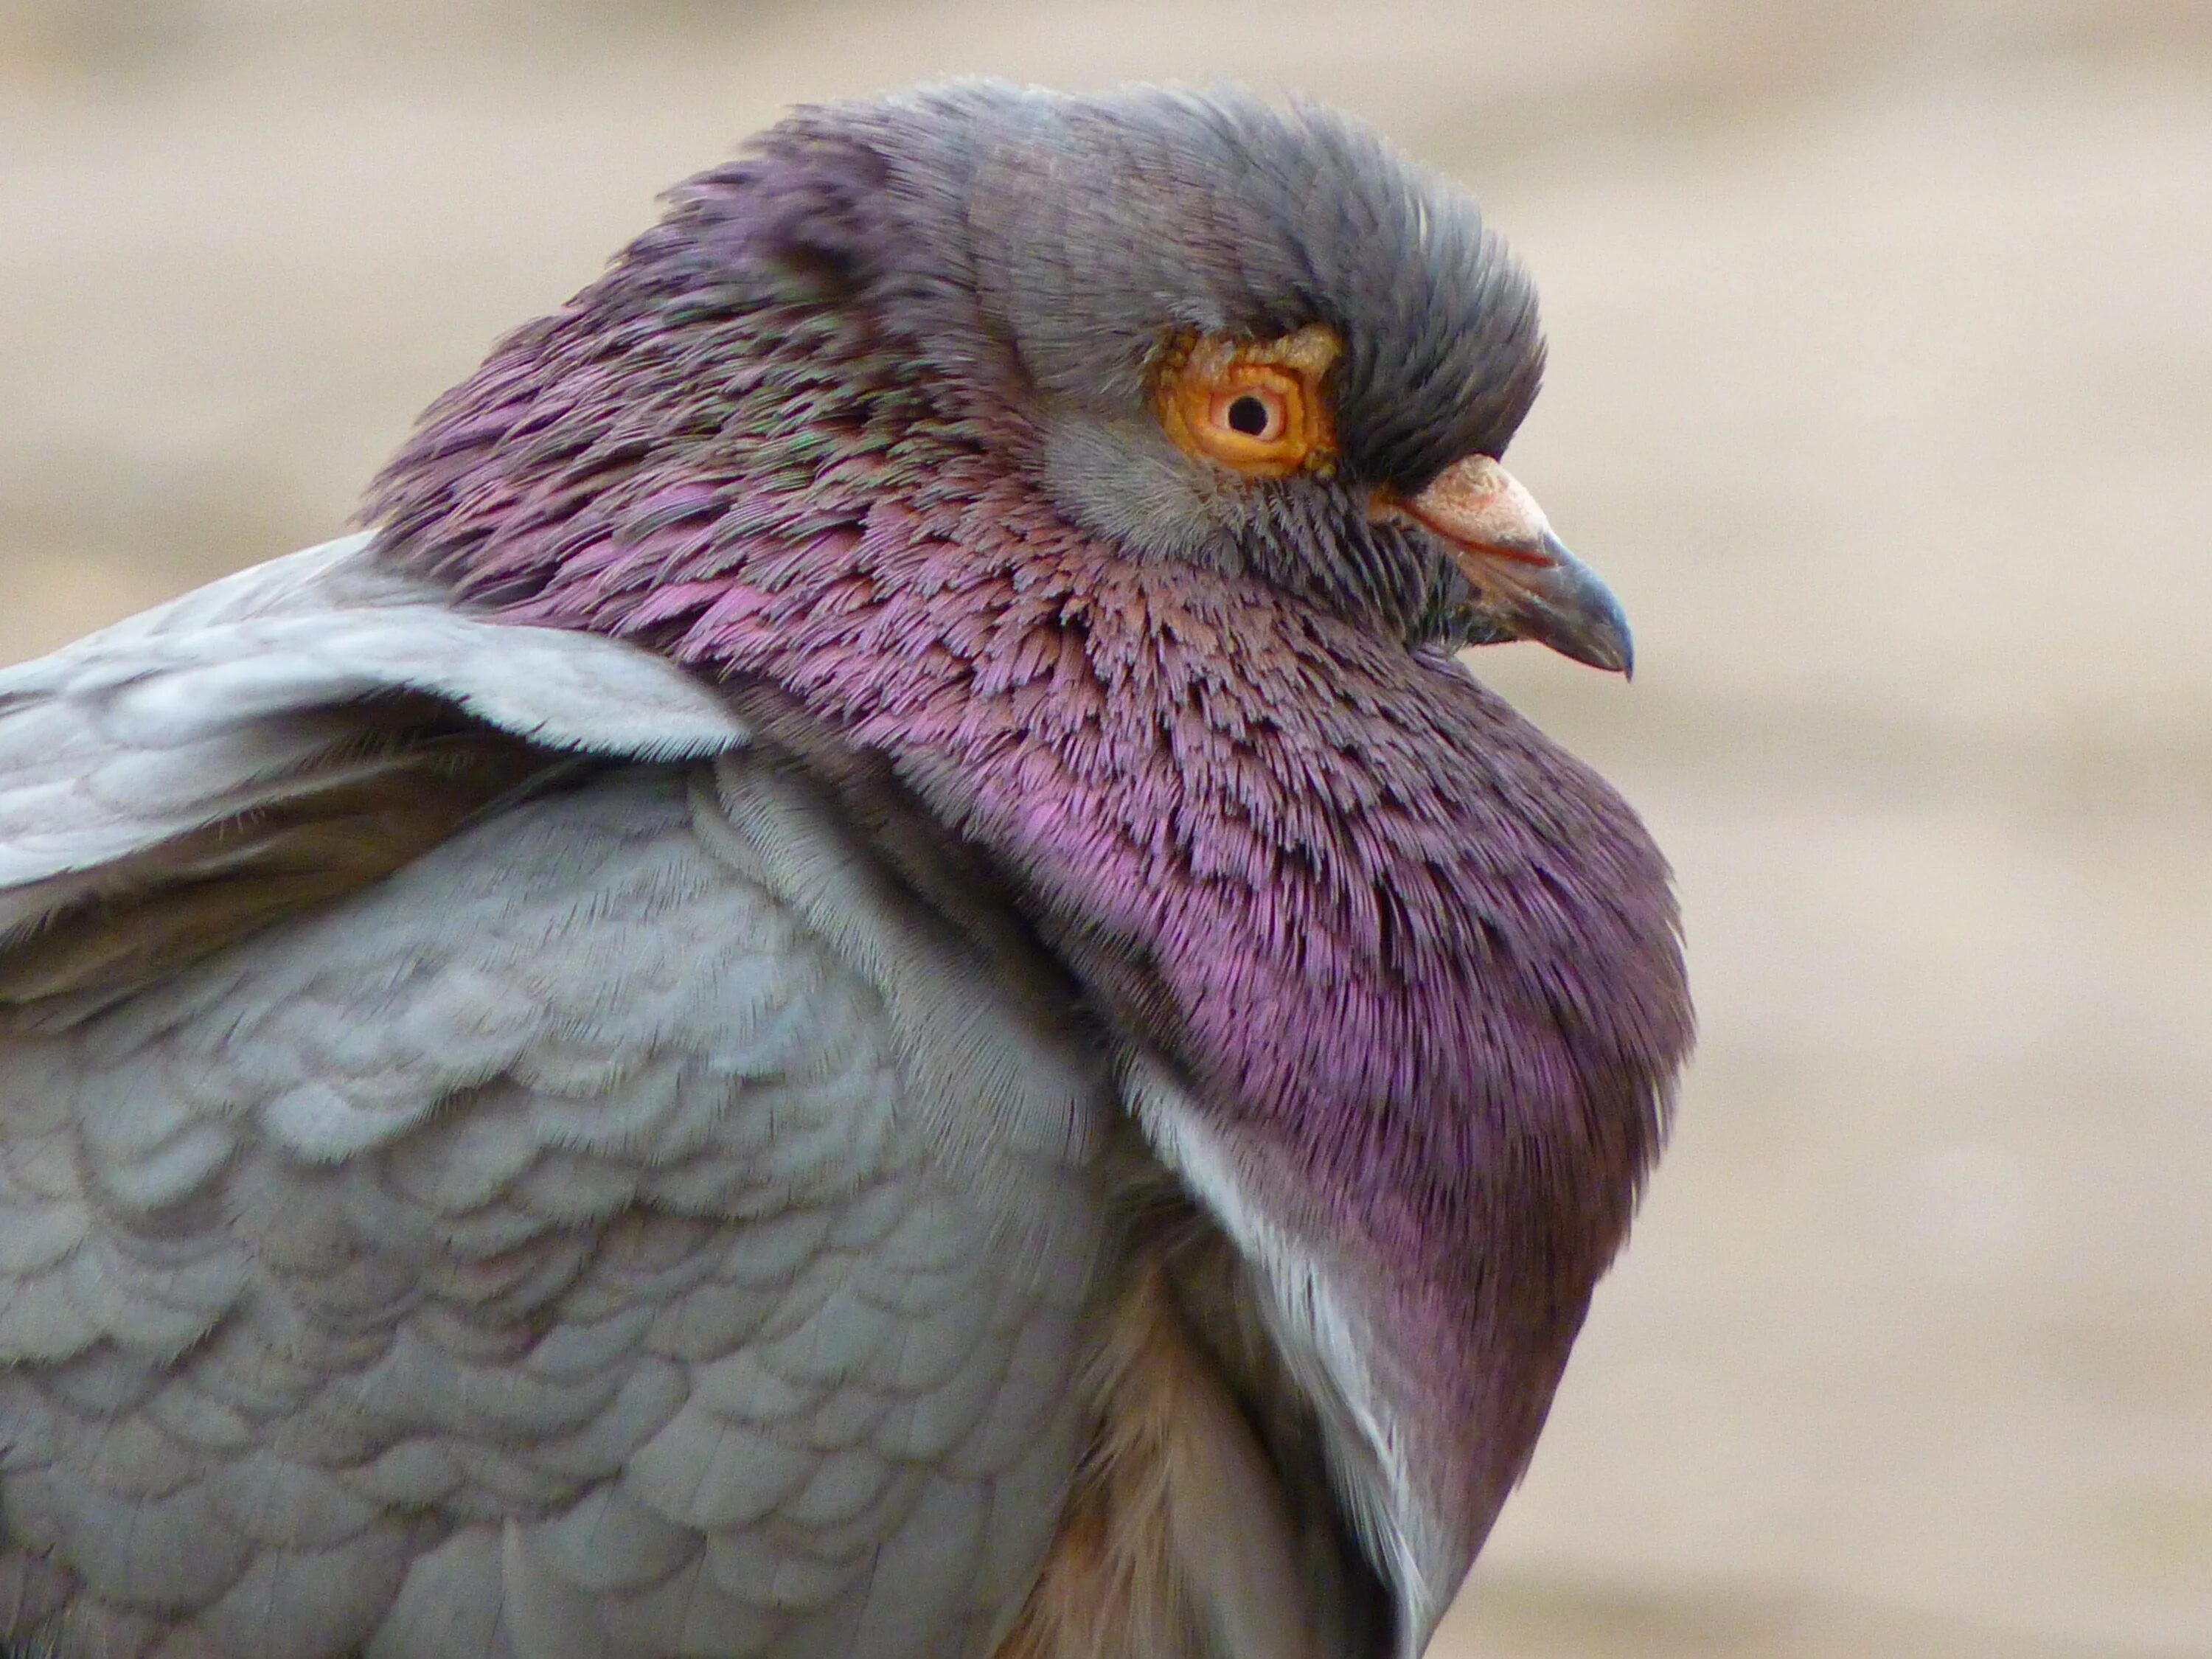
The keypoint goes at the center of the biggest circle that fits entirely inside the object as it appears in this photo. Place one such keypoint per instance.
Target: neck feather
(1418, 960)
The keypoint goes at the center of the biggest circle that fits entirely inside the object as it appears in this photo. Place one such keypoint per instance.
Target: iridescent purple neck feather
(1420, 964)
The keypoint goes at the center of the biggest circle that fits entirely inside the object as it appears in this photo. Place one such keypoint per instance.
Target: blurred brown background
(1881, 391)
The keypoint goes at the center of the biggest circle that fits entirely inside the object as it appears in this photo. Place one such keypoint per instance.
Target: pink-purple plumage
(809, 437)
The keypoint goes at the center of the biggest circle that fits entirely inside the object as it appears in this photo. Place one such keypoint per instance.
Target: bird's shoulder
(274, 740)
(449, 1069)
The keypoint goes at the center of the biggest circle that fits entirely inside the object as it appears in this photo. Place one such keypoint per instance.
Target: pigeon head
(1253, 339)
(1109, 479)
(1204, 328)
(1263, 339)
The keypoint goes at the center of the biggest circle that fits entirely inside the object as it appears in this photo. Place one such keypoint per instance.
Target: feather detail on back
(493, 1166)
(275, 741)
(348, 815)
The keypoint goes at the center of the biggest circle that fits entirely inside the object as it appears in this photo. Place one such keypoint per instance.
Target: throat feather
(1380, 927)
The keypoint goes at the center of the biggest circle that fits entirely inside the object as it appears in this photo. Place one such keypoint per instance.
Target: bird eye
(1253, 407)
(1254, 416)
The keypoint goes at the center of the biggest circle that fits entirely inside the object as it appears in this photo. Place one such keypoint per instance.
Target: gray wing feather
(636, 1225)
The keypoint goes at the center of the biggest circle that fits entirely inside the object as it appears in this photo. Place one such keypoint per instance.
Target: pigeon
(867, 979)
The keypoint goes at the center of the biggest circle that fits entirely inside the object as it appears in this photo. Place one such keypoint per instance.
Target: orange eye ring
(1256, 408)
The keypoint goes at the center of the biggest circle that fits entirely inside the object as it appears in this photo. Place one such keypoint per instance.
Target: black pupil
(1249, 416)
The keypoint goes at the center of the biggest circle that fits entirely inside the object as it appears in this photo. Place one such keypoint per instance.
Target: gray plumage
(867, 984)
(325, 1259)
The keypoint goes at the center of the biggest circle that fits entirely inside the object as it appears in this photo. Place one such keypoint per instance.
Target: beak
(1526, 583)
